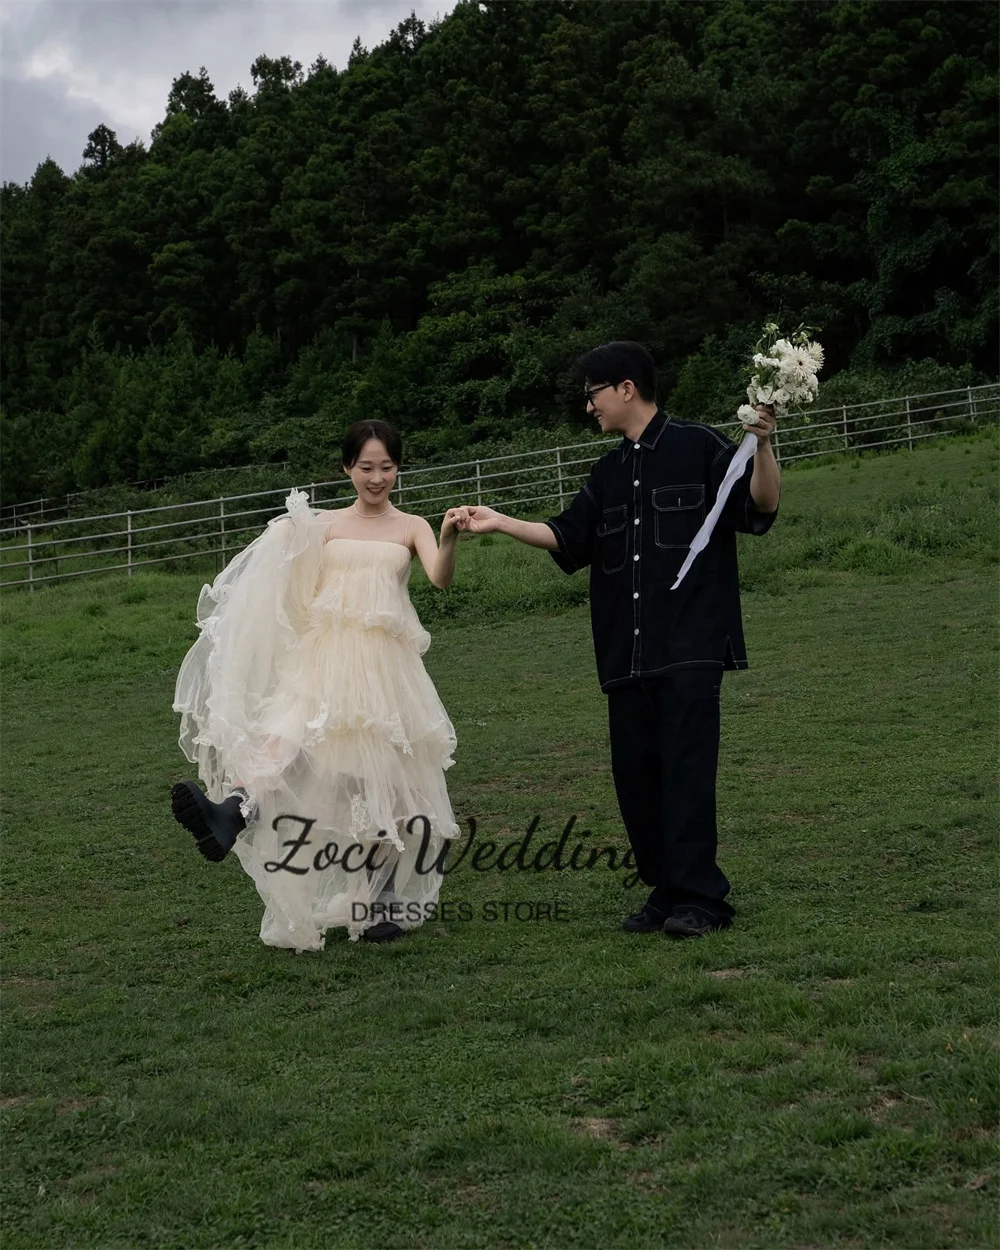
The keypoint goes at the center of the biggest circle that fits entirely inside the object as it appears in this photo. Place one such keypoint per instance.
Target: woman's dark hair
(356, 435)
(616, 363)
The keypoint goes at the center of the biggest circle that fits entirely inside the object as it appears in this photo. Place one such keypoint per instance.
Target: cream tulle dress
(306, 686)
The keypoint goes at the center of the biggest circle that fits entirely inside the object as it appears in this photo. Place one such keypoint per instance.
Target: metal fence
(34, 552)
(59, 507)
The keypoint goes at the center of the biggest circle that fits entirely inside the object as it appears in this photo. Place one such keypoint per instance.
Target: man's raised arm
(484, 520)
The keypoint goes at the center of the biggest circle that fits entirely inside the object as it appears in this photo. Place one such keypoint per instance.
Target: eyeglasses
(590, 391)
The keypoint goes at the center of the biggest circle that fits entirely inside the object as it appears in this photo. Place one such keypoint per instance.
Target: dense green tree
(432, 233)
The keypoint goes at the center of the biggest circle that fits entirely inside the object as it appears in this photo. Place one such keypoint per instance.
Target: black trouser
(664, 757)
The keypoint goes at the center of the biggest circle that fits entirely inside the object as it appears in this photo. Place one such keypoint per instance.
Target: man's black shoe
(384, 931)
(646, 920)
(215, 825)
(688, 921)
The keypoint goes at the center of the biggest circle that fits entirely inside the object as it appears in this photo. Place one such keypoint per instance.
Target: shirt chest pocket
(612, 538)
(678, 512)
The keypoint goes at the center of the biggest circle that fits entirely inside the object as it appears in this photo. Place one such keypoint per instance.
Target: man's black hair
(616, 362)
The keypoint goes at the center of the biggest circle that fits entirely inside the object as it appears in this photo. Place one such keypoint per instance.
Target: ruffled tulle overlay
(307, 688)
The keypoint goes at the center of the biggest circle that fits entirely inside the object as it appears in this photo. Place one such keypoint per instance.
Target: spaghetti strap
(406, 532)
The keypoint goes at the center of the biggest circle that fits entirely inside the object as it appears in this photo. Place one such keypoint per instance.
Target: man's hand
(481, 520)
(763, 428)
(765, 481)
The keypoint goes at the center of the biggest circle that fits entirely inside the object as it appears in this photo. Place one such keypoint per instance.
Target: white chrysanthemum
(792, 374)
(802, 361)
(814, 351)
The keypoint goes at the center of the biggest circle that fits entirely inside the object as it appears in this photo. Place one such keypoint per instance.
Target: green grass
(822, 1074)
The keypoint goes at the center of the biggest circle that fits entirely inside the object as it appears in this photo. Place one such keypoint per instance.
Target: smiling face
(610, 405)
(373, 474)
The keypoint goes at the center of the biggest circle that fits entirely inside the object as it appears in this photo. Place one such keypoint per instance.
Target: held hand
(763, 428)
(481, 520)
(454, 520)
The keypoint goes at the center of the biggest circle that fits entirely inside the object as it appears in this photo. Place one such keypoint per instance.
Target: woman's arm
(438, 562)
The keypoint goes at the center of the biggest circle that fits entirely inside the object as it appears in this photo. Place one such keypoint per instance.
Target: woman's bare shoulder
(413, 518)
(331, 514)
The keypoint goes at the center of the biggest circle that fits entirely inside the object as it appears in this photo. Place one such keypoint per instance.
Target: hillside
(434, 232)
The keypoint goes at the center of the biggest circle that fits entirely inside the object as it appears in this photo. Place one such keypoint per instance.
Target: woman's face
(373, 473)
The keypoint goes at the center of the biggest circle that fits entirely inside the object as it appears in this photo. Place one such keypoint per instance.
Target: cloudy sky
(68, 65)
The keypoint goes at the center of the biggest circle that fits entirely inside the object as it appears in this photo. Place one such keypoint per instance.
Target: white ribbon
(739, 462)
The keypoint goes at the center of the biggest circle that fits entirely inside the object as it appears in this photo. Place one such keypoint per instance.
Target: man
(660, 653)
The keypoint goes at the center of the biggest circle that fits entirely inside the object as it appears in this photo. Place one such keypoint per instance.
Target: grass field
(824, 1074)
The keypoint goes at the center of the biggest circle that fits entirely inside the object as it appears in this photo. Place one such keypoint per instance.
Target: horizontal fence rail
(34, 551)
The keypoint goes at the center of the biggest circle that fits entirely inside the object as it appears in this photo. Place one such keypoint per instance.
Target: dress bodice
(371, 557)
(363, 584)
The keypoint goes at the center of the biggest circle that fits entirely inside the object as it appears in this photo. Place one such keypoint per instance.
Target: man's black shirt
(633, 523)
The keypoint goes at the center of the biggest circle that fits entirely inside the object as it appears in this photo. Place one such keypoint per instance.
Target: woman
(315, 727)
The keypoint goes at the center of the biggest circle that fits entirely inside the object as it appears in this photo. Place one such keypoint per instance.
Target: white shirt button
(635, 594)
(635, 557)
(637, 520)
(636, 482)
(636, 632)
(636, 446)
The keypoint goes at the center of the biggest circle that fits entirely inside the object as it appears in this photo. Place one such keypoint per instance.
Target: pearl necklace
(366, 516)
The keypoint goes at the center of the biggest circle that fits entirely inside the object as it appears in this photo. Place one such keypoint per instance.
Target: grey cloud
(36, 122)
(67, 66)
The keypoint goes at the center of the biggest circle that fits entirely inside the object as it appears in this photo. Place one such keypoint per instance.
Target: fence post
(479, 485)
(909, 425)
(312, 494)
(31, 571)
(128, 541)
(399, 487)
(847, 443)
(777, 449)
(972, 407)
(222, 530)
(560, 477)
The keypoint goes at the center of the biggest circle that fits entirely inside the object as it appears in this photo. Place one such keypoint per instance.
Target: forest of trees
(432, 234)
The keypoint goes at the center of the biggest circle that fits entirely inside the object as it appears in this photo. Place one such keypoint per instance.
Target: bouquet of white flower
(783, 371)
